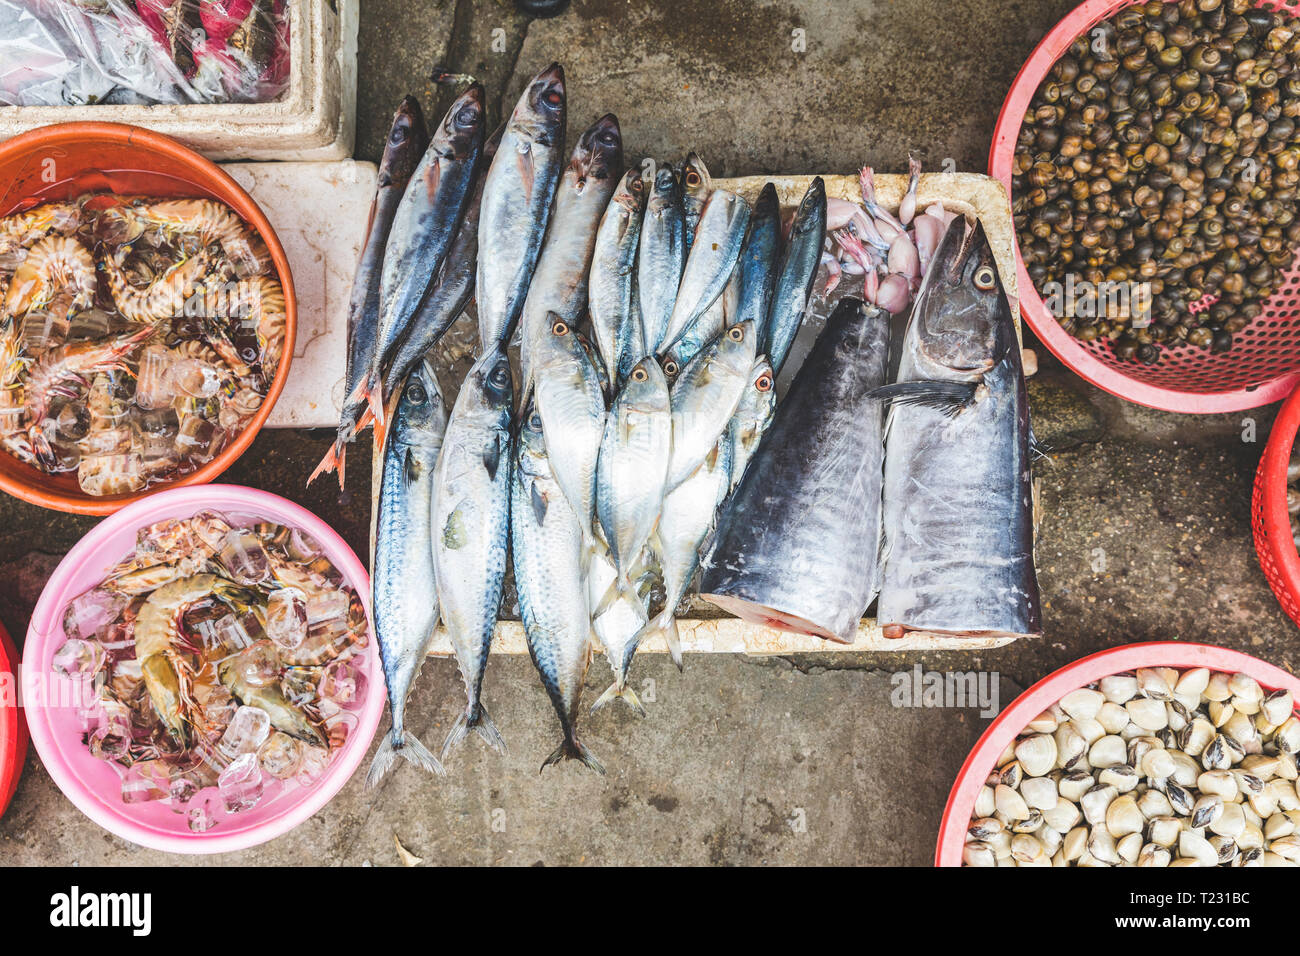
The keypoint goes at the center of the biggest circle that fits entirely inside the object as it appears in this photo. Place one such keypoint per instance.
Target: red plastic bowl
(1264, 363)
(13, 728)
(1273, 540)
(1116, 660)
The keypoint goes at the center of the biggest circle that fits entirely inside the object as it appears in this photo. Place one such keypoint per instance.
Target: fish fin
(573, 749)
(481, 724)
(1038, 451)
(620, 586)
(526, 174)
(492, 458)
(332, 462)
(665, 623)
(539, 504)
(947, 397)
(412, 469)
(407, 745)
(625, 694)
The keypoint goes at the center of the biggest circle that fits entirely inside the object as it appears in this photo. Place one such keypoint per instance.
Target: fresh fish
(661, 256)
(796, 276)
(405, 612)
(796, 545)
(471, 529)
(632, 469)
(704, 330)
(455, 284)
(705, 396)
(752, 418)
(697, 184)
(755, 276)
(688, 515)
(546, 545)
(720, 235)
(423, 227)
(517, 203)
(613, 269)
(571, 403)
(618, 628)
(559, 284)
(958, 517)
(405, 145)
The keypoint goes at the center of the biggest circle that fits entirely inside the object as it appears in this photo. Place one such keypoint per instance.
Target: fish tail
(665, 624)
(478, 721)
(332, 462)
(401, 744)
(573, 749)
(621, 692)
(370, 393)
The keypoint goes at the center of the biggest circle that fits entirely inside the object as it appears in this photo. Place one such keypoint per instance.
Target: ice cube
(244, 557)
(247, 730)
(327, 606)
(259, 665)
(89, 613)
(312, 765)
(154, 388)
(182, 787)
(302, 546)
(240, 784)
(286, 617)
(280, 756)
(225, 636)
(144, 781)
(78, 660)
(201, 818)
(344, 683)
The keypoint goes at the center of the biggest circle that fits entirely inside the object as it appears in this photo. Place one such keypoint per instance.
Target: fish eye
(560, 328)
(639, 374)
(399, 135)
(500, 376)
(466, 116)
(736, 333)
(693, 178)
(535, 422)
(764, 383)
(553, 98)
(415, 394)
(671, 367)
(985, 278)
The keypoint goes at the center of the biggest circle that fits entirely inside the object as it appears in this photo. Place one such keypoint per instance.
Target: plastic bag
(76, 52)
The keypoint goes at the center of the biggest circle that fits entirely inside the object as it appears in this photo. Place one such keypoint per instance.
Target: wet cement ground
(1145, 516)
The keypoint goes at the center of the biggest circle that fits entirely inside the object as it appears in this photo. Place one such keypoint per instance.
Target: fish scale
(405, 616)
(471, 529)
(546, 546)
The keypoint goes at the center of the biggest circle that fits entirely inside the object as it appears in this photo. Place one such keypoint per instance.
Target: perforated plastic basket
(1273, 540)
(1264, 363)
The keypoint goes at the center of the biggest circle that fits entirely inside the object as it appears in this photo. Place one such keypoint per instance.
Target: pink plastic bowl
(93, 785)
(1260, 368)
(1009, 723)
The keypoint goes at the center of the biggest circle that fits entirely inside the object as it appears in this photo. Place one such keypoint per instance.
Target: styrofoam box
(314, 119)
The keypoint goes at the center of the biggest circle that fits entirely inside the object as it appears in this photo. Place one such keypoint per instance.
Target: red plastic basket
(1273, 541)
(1263, 365)
(13, 728)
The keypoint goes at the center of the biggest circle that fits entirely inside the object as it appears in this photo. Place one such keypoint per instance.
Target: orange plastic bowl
(68, 159)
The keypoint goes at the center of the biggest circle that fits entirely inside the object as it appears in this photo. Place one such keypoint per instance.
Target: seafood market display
(59, 53)
(1161, 154)
(137, 337)
(621, 414)
(1157, 767)
(221, 664)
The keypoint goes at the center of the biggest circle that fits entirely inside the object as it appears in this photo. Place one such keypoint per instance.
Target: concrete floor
(747, 760)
